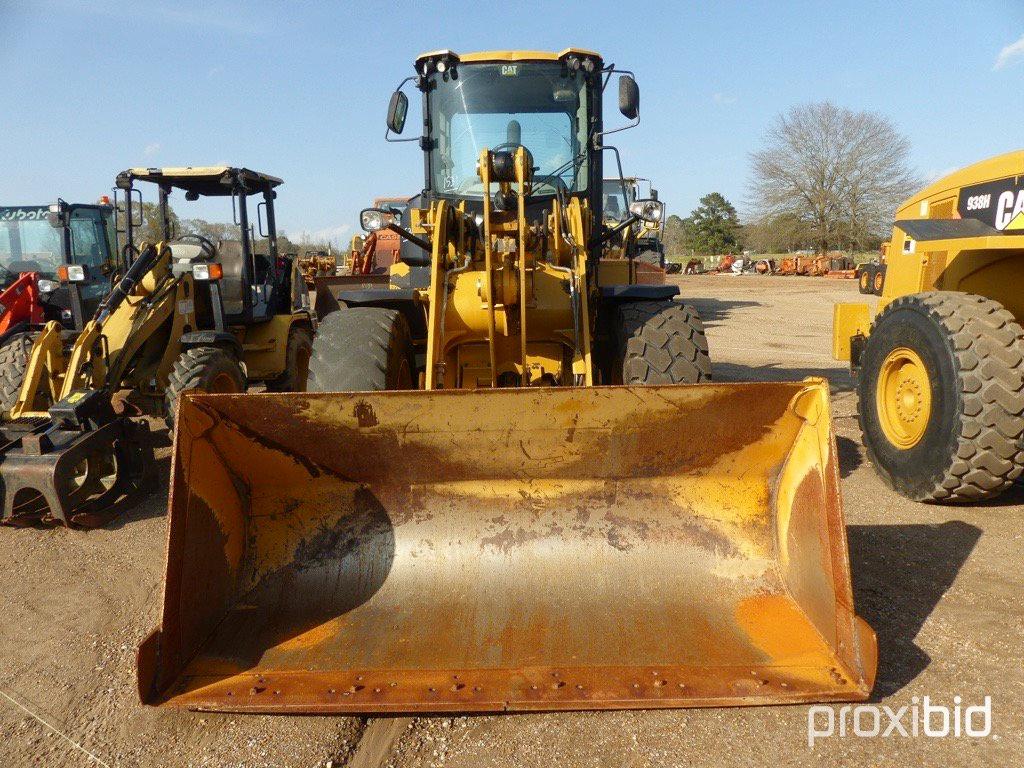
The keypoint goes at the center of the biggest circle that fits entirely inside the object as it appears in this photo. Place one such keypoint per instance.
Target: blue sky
(300, 90)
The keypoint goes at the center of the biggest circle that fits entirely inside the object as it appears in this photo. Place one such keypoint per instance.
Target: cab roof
(990, 169)
(209, 180)
(509, 55)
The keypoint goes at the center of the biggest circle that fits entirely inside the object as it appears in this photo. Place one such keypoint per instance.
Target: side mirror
(629, 97)
(57, 214)
(648, 210)
(397, 111)
(654, 194)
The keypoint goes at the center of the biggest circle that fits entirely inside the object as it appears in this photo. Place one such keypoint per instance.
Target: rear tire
(961, 423)
(659, 342)
(203, 369)
(878, 280)
(14, 355)
(362, 349)
(296, 362)
(866, 279)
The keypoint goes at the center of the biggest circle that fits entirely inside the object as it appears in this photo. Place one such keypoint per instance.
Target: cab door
(91, 247)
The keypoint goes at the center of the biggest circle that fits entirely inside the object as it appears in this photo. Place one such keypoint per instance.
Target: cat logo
(510, 70)
(1010, 211)
(1000, 204)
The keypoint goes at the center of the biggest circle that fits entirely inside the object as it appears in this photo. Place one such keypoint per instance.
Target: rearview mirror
(397, 111)
(629, 97)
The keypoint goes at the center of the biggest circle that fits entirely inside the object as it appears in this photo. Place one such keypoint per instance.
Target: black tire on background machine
(209, 369)
(973, 350)
(878, 280)
(14, 355)
(866, 278)
(362, 349)
(659, 342)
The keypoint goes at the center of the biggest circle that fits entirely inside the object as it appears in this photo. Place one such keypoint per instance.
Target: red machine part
(19, 302)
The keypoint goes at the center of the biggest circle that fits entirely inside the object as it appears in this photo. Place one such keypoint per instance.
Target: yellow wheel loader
(515, 488)
(188, 315)
(940, 368)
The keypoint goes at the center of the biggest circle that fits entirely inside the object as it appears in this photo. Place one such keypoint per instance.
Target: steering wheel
(209, 249)
(506, 145)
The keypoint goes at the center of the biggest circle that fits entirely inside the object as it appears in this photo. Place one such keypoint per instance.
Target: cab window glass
(88, 237)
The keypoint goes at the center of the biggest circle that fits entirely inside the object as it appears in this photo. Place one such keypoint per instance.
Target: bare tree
(840, 172)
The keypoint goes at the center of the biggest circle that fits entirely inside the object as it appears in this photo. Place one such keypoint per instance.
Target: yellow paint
(848, 320)
(777, 627)
(903, 398)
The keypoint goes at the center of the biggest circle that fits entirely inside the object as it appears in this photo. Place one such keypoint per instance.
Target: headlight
(47, 286)
(374, 219)
(71, 273)
(207, 271)
(648, 210)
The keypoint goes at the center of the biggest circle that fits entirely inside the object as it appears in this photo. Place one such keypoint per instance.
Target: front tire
(941, 393)
(362, 349)
(659, 342)
(14, 355)
(202, 369)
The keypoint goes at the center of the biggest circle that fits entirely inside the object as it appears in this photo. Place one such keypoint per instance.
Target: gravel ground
(940, 585)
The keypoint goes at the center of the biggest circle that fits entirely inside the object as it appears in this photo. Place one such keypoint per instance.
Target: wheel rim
(878, 281)
(904, 398)
(864, 280)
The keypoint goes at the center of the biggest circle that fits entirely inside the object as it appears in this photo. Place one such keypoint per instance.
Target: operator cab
(247, 278)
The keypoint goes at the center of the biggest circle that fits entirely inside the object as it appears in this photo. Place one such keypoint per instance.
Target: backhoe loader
(514, 488)
(187, 315)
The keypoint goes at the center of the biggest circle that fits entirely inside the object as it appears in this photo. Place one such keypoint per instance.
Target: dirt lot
(940, 586)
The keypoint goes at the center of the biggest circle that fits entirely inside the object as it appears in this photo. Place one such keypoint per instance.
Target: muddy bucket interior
(613, 547)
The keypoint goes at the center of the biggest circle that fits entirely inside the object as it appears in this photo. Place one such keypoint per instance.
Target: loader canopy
(506, 550)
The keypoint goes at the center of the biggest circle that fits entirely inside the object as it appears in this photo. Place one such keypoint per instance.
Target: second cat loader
(188, 314)
(515, 488)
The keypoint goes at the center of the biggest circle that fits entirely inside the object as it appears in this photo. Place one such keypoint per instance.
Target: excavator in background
(187, 315)
(36, 242)
(374, 254)
(940, 366)
(513, 488)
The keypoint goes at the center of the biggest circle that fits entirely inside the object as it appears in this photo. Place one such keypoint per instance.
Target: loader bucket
(519, 549)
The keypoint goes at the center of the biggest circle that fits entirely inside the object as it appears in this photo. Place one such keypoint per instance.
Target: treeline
(151, 231)
(827, 178)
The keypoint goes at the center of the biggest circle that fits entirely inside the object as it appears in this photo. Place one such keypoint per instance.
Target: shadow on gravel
(839, 379)
(714, 311)
(900, 572)
(849, 455)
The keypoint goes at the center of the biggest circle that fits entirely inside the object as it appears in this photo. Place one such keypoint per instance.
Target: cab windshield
(28, 243)
(540, 105)
(615, 203)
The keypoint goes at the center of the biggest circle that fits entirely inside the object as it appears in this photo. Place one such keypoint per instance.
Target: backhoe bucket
(518, 549)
